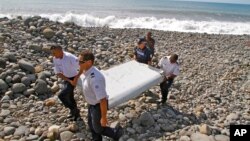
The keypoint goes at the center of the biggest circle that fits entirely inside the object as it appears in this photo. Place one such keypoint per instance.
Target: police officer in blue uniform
(141, 53)
(94, 90)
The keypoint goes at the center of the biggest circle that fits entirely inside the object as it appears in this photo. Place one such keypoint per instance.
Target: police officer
(94, 90)
(141, 53)
(65, 67)
(171, 69)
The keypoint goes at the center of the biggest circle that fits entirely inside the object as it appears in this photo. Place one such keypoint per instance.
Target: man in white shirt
(94, 90)
(66, 67)
(171, 69)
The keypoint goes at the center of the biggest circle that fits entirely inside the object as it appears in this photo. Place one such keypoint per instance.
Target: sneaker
(119, 133)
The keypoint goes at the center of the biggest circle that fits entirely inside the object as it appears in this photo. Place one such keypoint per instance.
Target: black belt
(98, 104)
(71, 78)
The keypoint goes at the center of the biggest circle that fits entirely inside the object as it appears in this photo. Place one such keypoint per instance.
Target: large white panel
(129, 80)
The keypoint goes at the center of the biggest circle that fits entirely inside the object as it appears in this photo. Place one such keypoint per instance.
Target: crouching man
(171, 69)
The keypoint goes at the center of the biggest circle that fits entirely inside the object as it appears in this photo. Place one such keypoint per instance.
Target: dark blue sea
(167, 15)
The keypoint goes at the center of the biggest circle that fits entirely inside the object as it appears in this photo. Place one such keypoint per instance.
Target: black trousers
(67, 98)
(94, 122)
(164, 89)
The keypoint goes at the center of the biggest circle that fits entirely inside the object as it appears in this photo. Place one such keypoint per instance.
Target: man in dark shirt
(141, 53)
(150, 43)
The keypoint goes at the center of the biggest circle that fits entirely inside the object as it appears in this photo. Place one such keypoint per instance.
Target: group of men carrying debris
(71, 68)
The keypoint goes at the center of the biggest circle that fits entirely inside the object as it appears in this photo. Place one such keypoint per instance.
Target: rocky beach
(211, 92)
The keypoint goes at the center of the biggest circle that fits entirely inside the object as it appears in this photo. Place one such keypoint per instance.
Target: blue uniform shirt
(142, 55)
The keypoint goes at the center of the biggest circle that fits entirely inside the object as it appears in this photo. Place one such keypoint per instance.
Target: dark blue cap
(141, 40)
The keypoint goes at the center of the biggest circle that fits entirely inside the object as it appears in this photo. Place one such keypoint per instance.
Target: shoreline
(152, 23)
(211, 92)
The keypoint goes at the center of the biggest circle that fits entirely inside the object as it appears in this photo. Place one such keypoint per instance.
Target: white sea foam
(210, 27)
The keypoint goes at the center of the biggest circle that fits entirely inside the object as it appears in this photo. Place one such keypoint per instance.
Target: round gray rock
(2, 63)
(48, 33)
(9, 130)
(41, 87)
(221, 138)
(146, 119)
(21, 130)
(18, 88)
(199, 137)
(4, 113)
(3, 75)
(3, 85)
(10, 56)
(16, 78)
(27, 66)
(26, 81)
(32, 77)
(8, 79)
(66, 136)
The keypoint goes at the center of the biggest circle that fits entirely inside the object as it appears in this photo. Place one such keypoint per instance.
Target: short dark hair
(174, 56)
(55, 47)
(87, 55)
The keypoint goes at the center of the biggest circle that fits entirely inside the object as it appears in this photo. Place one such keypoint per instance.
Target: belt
(71, 78)
(98, 104)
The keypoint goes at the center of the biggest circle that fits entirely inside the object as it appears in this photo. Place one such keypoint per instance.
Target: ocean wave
(165, 24)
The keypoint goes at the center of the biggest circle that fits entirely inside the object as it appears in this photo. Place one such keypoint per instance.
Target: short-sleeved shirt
(93, 86)
(142, 55)
(68, 65)
(168, 67)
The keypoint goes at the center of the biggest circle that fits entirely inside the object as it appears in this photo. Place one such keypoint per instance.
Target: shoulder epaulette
(92, 75)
